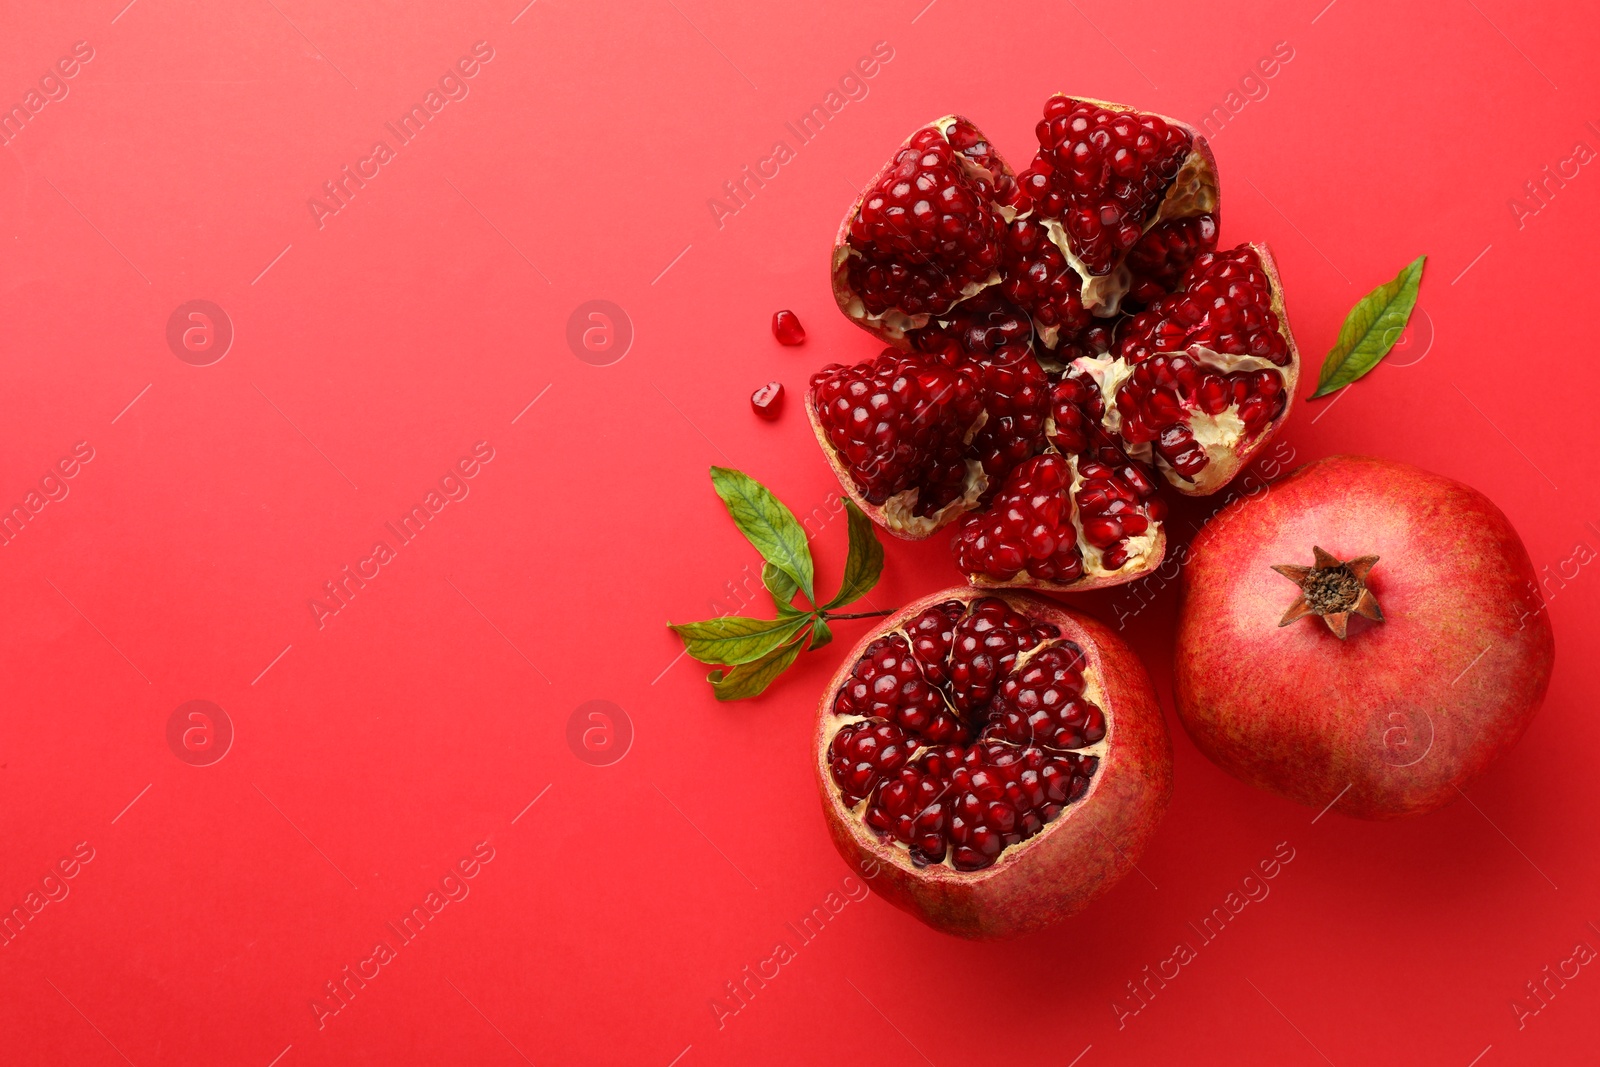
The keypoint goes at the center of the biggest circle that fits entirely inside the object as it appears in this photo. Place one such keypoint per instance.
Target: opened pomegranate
(1076, 338)
(995, 762)
(1364, 635)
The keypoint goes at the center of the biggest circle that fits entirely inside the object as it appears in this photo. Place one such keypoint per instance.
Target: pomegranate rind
(1398, 717)
(1092, 844)
(893, 325)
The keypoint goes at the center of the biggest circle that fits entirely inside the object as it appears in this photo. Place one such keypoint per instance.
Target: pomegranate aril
(1041, 704)
(787, 329)
(985, 645)
(768, 400)
(931, 634)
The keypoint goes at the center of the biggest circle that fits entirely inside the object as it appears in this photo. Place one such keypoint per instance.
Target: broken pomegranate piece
(1205, 371)
(898, 431)
(1000, 760)
(924, 236)
(1110, 345)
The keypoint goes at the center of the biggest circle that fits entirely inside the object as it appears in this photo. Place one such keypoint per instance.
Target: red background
(371, 354)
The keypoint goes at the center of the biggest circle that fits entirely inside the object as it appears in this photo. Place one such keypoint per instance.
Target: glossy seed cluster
(925, 232)
(1084, 389)
(1102, 173)
(1224, 304)
(901, 422)
(1015, 692)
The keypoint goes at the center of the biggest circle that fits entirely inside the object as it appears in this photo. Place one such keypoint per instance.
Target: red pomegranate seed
(1164, 253)
(887, 683)
(787, 329)
(1042, 704)
(768, 400)
(985, 644)
(863, 753)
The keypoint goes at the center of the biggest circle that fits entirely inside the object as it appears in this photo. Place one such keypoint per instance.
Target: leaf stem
(857, 615)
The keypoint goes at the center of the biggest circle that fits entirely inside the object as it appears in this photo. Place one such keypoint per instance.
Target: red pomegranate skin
(1398, 717)
(1090, 846)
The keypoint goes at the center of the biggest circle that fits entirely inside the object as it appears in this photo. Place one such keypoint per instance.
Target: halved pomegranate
(992, 762)
(1108, 345)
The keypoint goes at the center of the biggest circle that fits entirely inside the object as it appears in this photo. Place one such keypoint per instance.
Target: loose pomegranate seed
(925, 232)
(1103, 173)
(768, 400)
(900, 423)
(787, 329)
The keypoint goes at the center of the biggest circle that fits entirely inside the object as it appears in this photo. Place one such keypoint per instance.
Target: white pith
(899, 511)
(1218, 434)
(1092, 692)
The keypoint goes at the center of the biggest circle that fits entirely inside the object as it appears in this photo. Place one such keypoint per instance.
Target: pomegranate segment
(927, 233)
(898, 429)
(1104, 174)
(1081, 341)
(997, 759)
(1201, 374)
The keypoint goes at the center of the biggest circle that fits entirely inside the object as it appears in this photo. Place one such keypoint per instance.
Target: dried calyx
(1332, 589)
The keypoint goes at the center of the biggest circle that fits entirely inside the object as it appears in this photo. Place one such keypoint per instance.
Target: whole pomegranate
(1064, 341)
(992, 762)
(1364, 634)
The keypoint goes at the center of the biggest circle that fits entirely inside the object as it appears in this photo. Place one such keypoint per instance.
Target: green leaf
(751, 679)
(1371, 330)
(865, 561)
(821, 633)
(733, 640)
(782, 588)
(768, 525)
